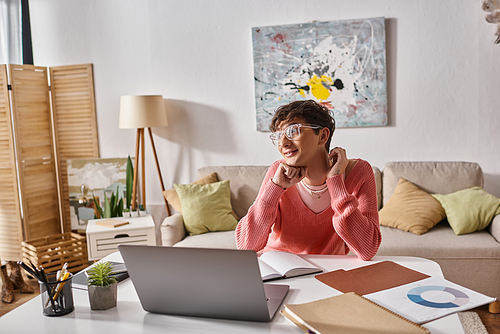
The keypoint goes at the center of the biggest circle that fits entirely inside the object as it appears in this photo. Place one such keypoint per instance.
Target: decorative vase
(102, 297)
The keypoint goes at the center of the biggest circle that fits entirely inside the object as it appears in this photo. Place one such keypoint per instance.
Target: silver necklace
(313, 192)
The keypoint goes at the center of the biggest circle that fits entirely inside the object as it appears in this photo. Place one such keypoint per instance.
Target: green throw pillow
(206, 207)
(469, 210)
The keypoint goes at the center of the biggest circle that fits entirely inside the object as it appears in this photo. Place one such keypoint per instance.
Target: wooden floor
(490, 321)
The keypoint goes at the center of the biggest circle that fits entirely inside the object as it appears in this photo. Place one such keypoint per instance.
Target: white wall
(443, 77)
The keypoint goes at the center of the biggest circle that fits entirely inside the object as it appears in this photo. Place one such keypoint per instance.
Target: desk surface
(129, 317)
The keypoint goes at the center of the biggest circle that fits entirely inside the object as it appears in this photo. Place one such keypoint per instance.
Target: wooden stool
(494, 307)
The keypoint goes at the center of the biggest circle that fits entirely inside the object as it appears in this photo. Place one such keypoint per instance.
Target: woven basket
(53, 251)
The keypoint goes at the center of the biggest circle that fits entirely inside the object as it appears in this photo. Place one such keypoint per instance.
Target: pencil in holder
(57, 296)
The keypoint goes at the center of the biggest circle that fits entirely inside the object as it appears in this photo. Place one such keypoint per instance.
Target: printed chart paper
(429, 299)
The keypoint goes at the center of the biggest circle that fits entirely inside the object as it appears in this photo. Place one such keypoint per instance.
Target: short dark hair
(312, 112)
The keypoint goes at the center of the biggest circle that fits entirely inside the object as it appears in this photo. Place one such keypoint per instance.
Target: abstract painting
(339, 64)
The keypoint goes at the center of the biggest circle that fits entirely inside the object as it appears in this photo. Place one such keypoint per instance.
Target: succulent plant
(101, 274)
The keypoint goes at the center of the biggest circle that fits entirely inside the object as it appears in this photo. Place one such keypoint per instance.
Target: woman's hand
(339, 161)
(286, 176)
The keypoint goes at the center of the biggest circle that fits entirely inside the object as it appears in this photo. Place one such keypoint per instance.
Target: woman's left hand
(339, 161)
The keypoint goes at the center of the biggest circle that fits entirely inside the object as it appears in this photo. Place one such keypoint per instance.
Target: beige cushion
(172, 230)
(411, 209)
(378, 183)
(439, 242)
(432, 177)
(469, 210)
(207, 207)
(245, 183)
(173, 198)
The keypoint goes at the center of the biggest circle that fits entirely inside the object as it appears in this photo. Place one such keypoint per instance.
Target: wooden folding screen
(35, 150)
(10, 213)
(75, 125)
(40, 170)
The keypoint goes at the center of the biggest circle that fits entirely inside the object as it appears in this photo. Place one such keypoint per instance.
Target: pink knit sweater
(279, 220)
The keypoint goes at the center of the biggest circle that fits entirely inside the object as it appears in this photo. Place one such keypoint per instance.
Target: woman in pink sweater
(313, 201)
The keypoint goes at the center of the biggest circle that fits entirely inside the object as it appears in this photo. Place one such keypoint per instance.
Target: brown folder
(371, 278)
(348, 313)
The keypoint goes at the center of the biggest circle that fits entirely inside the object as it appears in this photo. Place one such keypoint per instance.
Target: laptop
(201, 282)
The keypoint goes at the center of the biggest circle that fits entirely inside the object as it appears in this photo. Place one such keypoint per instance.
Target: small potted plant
(102, 286)
(126, 213)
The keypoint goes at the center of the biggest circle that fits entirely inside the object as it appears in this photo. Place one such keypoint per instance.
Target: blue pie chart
(415, 295)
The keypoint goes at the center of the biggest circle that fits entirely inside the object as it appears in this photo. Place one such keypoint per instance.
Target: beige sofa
(472, 260)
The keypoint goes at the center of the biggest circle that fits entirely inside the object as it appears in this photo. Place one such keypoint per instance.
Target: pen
(33, 266)
(29, 270)
(60, 285)
(44, 275)
(62, 275)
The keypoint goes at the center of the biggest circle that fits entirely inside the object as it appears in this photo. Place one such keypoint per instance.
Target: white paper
(429, 299)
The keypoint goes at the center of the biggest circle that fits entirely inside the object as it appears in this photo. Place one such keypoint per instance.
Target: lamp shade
(142, 111)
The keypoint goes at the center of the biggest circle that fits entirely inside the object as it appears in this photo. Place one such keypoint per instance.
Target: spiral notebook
(348, 313)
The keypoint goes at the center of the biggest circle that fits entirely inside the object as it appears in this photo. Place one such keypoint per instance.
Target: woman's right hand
(286, 176)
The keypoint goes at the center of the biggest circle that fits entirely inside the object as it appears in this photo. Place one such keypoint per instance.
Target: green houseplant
(102, 286)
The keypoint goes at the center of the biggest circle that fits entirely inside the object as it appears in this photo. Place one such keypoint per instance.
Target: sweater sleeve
(355, 216)
(253, 229)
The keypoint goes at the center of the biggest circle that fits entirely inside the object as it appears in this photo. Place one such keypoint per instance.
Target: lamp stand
(140, 143)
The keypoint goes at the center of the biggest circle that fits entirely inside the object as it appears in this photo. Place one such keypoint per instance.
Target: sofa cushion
(378, 183)
(439, 242)
(224, 239)
(173, 198)
(469, 210)
(245, 183)
(411, 209)
(432, 177)
(207, 207)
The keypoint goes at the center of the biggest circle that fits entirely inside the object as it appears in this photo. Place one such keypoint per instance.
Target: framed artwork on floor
(93, 177)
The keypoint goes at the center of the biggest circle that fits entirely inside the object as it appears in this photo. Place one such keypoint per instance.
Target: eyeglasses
(292, 132)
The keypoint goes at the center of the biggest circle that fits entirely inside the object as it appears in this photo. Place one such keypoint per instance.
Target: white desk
(129, 317)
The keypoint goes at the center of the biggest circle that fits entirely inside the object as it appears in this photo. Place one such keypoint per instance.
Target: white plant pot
(126, 214)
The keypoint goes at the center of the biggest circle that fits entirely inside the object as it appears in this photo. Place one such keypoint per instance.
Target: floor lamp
(139, 112)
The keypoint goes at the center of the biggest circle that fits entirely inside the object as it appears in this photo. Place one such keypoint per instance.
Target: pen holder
(57, 296)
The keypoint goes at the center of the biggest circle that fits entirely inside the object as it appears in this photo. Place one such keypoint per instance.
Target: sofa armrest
(494, 227)
(172, 230)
